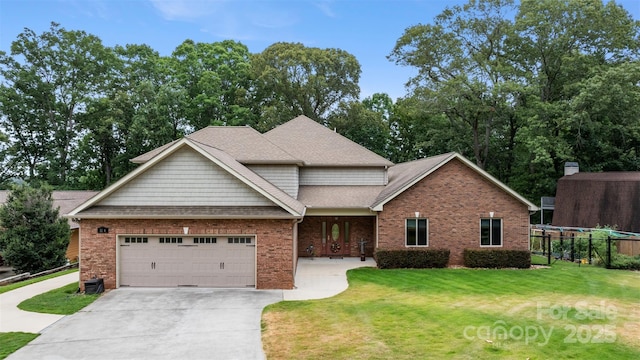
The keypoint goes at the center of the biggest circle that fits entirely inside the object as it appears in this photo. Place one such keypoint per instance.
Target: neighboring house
(66, 201)
(588, 200)
(230, 207)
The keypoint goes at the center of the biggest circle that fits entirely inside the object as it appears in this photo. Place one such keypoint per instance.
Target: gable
(454, 186)
(403, 176)
(185, 178)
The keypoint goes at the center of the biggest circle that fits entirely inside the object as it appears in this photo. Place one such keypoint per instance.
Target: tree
(217, 79)
(463, 68)
(46, 82)
(557, 45)
(296, 80)
(34, 238)
(361, 125)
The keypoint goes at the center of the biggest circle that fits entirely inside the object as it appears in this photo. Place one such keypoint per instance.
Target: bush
(415, 258)
(625, 262)
(497, 258)
(33, 237)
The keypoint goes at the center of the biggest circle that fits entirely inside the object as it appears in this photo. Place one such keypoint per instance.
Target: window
(239, 240)
(490, 232)
(416, 231)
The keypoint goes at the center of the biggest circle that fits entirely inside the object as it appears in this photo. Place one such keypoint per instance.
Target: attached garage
(202, 261)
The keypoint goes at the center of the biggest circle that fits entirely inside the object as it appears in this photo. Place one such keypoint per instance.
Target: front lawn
(12, 341)
(565, 311)
(61, 301)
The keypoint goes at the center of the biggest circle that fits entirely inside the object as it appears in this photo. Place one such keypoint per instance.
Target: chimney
(571, 168)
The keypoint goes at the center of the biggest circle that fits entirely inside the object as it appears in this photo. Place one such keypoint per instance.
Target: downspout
(294, 256)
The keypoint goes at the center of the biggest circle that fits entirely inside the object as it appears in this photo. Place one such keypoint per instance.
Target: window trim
(406, 231)
(491, 232)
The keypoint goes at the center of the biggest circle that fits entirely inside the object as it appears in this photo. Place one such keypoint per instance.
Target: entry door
(334, 244)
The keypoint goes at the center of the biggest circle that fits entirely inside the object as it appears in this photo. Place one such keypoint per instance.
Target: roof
(403, 176)
(220, 158)
(599, 199)
(338, 197)
(66, 200)
(243, 143)
(316, 145)
(184, 212)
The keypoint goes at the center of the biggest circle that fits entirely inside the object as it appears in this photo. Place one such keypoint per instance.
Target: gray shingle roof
(243, 143)
(317, 145)
(185, 212)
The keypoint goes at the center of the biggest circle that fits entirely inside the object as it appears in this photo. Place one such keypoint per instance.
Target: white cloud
(238, 20)
(187, 9)
(325, 7)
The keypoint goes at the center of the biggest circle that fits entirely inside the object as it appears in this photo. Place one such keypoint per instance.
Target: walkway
(14, 319)
(319, 278)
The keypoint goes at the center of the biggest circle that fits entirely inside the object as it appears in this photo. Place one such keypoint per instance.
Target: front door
(334, 244)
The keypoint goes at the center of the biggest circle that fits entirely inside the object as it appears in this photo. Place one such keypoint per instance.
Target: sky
(367, 29)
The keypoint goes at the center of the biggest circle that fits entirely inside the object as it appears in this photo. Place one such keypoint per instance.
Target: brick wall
(454, 199)
(361, 227)
(274, 245)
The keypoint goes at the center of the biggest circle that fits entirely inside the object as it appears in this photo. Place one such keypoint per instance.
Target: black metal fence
(585, 248)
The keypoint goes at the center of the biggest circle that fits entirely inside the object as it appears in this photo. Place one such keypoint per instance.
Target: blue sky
(368, 29)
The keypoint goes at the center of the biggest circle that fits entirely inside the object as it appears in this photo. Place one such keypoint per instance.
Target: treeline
(518, 88)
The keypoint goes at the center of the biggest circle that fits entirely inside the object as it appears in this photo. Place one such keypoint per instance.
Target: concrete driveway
(149, 323)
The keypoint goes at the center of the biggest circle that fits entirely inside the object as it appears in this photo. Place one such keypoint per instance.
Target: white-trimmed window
(417, 232)
(490, 232)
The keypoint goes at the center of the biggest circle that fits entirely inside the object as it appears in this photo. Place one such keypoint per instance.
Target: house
(589, 200)
(65, 201)
(231, 207)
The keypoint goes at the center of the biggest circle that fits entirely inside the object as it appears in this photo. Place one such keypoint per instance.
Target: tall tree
(361, 125)
(557, 45)
(296, 80)
(463, 68)
(33, 237)
(47, 80)
(218, 80)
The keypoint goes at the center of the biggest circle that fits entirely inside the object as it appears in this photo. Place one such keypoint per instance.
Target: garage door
(187, 261)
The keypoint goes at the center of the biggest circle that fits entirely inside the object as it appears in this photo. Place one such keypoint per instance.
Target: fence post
(573, 257)
(543, 244)
(590, 248)
(608, 252)
(549, 247)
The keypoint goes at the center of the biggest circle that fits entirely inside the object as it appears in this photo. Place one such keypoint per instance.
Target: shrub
(497, 258)
(33, 237)
(625, 262)
(414, 258)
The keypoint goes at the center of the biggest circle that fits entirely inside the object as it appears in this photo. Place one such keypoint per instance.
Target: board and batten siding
(186, 178)
(343, 176)
(284, 177)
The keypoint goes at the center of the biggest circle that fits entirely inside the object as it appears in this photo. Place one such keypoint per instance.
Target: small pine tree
(34, 237)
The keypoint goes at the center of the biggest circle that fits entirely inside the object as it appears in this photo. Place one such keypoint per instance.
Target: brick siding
(454, 198)
(274, 244)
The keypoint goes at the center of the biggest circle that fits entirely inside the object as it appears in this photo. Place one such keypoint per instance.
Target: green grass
(12, 341)
(588, 313)
(62, 301)
(9, 287)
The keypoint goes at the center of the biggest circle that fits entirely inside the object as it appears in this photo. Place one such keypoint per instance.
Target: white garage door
(187, 261)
